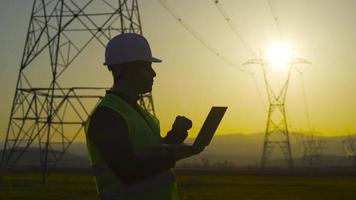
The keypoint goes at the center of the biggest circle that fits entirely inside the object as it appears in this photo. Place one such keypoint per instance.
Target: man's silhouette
(121, 135)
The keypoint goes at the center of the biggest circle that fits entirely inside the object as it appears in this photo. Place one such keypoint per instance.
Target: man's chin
(146, 91)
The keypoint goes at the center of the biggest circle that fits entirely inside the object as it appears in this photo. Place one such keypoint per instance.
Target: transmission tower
(312, 149)
(350, 148)
(276, 133)
(44, 112)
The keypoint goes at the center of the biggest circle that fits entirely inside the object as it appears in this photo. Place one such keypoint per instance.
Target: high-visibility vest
(143, 131)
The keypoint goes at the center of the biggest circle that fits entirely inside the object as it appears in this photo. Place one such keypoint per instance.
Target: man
(123, 140)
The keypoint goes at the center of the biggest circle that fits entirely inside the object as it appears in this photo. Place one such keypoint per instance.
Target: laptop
(206, 132)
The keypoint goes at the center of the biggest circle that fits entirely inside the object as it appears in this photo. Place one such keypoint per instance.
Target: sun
(279, 55)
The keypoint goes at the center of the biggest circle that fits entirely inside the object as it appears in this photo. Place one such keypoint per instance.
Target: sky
(192, 78)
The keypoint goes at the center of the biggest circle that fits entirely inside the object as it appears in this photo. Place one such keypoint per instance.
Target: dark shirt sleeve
(109, 132)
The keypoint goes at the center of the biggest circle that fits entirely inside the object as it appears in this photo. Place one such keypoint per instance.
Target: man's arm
(109, 132)
(175, 137)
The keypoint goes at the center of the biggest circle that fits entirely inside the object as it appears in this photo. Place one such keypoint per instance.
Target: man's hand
(179, 130)
(182, 123)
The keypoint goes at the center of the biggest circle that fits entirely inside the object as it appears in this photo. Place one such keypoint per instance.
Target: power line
(210, 48)
(238, 36)
(276, 22)
(199, 38)
(275, 18)
(259, 92)
(306, 108)
(232, 27)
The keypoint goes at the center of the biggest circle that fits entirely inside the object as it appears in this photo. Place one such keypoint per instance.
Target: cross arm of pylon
(257, 61)
(300, 61)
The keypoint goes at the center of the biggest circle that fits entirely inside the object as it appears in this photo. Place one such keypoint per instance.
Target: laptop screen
(209, 127)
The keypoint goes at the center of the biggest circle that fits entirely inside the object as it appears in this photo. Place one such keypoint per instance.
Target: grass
(192, 186)
(267, 187)
(28, 186)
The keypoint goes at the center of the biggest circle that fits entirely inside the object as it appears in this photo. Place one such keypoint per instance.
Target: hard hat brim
(152, 59)
(156, 60)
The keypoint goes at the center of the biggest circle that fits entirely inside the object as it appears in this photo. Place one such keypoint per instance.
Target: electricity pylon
(350, 148)
(52, 115)
(276, 133)
(312, 150)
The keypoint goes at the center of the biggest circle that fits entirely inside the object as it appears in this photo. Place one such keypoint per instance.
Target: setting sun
(279, 55)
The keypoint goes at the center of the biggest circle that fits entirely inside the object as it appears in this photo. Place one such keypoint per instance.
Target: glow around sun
(279, 55)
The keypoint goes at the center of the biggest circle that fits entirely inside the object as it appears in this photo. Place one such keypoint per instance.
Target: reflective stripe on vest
(143, 131)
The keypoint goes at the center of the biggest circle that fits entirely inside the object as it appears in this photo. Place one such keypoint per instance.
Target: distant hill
(31, 158)
(236, 149)
(251, 144)
(246, 150)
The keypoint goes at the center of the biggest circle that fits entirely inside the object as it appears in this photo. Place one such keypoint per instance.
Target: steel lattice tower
(276, 133)
(312, 150)
(51, 115)
(349, 144)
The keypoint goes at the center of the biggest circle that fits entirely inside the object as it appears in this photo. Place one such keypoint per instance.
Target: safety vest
(143, 131)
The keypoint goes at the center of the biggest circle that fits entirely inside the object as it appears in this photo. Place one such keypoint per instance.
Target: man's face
(142, 77)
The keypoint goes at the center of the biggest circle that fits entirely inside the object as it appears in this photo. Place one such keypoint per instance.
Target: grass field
(194, 186)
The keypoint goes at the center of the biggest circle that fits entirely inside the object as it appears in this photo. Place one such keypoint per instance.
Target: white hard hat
(128, 47)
